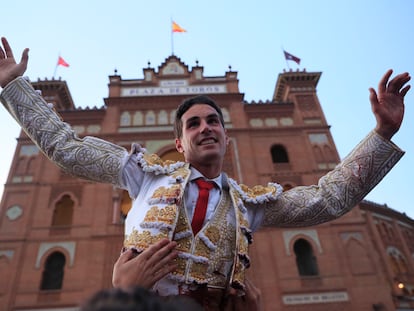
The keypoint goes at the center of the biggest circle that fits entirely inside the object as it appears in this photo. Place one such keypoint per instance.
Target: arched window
(63, 212)
(402, 264)
(397, 260)
(138, 118)
(305, 259)
(172, 116)
(150, 118)
(162, 117)
(279, 154)
(52, 277)
(125, 119)
(226, 115)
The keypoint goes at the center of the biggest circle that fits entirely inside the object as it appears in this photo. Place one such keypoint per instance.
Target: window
(305, 259)
(125, 119)
(162, 117)
(397, 260)
(279, 154)
(138, 118)
(63, 212)
(402, 264)
(394, 264)
(226, 115)
(52, 277)
(150, 118)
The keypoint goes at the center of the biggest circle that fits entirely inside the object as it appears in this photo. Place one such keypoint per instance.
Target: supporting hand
(146, 268)
(251, 301)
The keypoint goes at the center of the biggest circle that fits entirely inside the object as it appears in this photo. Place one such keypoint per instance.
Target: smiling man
(209, 262)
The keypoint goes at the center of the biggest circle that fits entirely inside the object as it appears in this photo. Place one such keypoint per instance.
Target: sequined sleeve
(90, 158)
(338, 191)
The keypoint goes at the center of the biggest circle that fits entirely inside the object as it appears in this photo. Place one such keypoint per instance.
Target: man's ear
(178, 145)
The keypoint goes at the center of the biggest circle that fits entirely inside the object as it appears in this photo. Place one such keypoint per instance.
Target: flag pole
(172, 38)
(57, 64)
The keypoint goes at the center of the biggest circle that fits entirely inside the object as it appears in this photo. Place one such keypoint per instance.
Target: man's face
(203, 138)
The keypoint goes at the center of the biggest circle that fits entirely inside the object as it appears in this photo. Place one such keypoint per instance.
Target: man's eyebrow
(192, 119)
(212, 115)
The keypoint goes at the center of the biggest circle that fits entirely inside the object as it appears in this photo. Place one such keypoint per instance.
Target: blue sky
(351, 42)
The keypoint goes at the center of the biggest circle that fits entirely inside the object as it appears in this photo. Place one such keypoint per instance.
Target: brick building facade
(59, 236)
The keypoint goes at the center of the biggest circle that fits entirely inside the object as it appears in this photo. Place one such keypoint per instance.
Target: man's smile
(208, 141)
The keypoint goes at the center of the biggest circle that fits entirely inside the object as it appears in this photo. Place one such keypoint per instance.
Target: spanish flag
(177, 28)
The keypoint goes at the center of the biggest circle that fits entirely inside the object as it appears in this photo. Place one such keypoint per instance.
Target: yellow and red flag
(177, 28)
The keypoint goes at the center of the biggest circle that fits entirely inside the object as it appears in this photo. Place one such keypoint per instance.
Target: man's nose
(205, 127)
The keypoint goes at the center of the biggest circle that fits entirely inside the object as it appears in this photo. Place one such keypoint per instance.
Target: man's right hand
(9, 69)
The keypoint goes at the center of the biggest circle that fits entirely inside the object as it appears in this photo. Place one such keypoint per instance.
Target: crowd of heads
(137, 299)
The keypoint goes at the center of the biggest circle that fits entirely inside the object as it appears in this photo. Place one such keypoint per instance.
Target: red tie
(204, 188)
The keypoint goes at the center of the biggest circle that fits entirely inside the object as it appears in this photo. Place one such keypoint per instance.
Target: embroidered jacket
(218, 255)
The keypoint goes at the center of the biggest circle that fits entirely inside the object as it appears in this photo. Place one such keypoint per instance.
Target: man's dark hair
(137, 299)
(187, 104)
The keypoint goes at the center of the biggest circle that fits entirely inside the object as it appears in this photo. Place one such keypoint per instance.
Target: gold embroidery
(182, 172)
(184, 245)
(199, 272)
(142, 240)
(167, 214)
(153, 159)
(213, 234)
(221, 237)
(216, 243)
(243, 222)
(151, 215)
(181, 264)
(182, 223)
(257, 190)
(167, 194)
(201, 249)
(243, 245)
